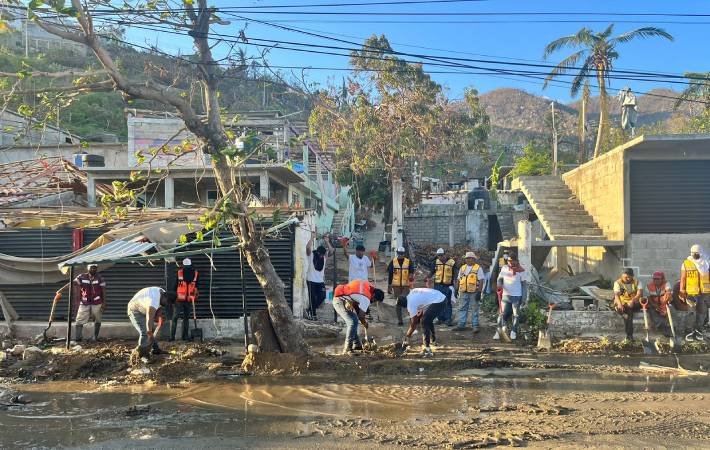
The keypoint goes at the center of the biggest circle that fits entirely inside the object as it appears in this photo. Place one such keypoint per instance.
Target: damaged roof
(24, 181)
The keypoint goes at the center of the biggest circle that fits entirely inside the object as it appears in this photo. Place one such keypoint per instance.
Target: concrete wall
(444, 223)
(599, 186)
(596, 323)
(666, 252)
(115, 155)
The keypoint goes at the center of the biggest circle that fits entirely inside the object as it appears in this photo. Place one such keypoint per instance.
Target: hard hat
(658, 275)
(90, 265)
(440, 251)
(695, 248)
(470, 255)
(400, 250)
(187, 262)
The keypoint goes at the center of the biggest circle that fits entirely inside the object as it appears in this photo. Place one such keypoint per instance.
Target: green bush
(533, 315)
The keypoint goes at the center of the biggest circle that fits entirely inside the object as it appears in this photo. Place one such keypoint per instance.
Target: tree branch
(66, 73)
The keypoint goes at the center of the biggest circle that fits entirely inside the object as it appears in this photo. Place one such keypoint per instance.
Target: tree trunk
(602, 114)
(582, 137)
(287, 331)
(263, 333)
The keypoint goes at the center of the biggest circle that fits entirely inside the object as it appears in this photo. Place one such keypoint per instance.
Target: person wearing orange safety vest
(186, 293)
(660, 295)
(400, 277)
(351, 301)
(695, 288)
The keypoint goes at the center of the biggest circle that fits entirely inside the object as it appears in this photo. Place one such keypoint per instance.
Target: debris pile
(427, 253)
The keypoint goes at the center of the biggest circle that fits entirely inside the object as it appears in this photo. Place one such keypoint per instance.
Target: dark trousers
(181, 310)
(316, 296)
(430, 313)
(701, 310)
(446, 312)
(627, 310)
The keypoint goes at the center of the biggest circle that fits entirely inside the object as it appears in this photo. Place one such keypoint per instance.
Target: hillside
(518, 116)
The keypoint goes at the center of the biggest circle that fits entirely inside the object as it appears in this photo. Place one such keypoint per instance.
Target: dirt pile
(605, 345)
(427, 253)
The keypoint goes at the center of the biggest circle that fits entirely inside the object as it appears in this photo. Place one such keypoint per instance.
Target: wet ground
(467, 409)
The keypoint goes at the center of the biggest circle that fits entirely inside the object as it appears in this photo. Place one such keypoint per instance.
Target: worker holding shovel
(351, 301)
(142, 310)
(660, 295)
(187, 293)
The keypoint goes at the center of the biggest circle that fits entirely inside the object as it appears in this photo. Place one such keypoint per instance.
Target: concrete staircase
(507, 225)
(559, 211)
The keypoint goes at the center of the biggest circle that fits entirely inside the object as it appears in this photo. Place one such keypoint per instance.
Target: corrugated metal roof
(110, 252)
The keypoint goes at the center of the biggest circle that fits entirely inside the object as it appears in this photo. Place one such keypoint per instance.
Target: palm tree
(597, 52)
(698, 89)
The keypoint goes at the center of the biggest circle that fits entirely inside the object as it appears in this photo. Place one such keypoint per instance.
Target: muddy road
(474, 393)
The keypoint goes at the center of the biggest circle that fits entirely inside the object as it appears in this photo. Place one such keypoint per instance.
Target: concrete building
(641, 205)
(287, 174)
(17, 130)
(28, 35)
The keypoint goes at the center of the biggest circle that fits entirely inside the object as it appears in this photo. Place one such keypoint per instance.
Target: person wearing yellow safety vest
(443, 274)
(468, 291)
(627, 299)
(400, 277)
(695, 288)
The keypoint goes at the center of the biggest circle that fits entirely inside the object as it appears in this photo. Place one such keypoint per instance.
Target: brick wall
(599, 186)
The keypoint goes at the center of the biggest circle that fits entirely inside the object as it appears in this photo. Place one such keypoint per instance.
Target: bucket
(329, 295)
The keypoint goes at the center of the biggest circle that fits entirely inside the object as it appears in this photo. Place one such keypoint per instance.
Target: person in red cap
(660, 294)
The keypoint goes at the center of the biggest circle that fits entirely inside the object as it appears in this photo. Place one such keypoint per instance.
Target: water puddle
(73, 414)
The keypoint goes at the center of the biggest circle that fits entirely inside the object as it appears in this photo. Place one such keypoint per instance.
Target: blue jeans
(468, 300)
(137, 318)
(446, 312)
(511, 306)
(351, 322)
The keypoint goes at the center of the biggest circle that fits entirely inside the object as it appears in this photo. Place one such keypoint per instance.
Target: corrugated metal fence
(123, 280)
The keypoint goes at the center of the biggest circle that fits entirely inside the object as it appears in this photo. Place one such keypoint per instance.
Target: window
(212, 196)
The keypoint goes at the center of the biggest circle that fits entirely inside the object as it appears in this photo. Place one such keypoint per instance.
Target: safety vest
(444, 272)
(628, 290)
(695, 284)
(355, 287)
(400, 272)
(186, 292)
(91, 290)
(655, 295)
(468, 281)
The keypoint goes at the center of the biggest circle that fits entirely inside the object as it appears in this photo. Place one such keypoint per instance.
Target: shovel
(501, 330)
(675, 341)
(46, 339)
(544, 338)
(649, 347)
(195, 333)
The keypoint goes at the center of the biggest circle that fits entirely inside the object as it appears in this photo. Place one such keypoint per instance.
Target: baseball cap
(658, 275)
(187, 262)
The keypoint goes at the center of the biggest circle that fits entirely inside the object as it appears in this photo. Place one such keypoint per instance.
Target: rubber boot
(399, 316)
(185, 326)
(173, 329)
(78, 331)
(155, 350)
(97, 328)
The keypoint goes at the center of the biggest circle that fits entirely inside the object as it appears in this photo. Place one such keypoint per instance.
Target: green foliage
(535, 160)
(533, 315)
(489, 305)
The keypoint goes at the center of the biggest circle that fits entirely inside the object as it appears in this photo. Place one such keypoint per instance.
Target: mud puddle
(283, 412)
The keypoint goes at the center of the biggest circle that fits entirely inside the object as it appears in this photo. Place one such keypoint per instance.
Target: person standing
(315, 277)
(90, 289)
(470, 285)
(358, 264)
(142, 311)
(627, 299)
(351, 302)
(186, 294)
(443, 276)
(423, 305)
(511, 283)
(400, 277)
(695, 288)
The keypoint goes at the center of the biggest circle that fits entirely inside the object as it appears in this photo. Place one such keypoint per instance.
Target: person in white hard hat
(468, 290)
(400, 278)
(186, 293)
(695, 288)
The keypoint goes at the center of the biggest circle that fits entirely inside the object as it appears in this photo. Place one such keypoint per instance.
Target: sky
(505, 36)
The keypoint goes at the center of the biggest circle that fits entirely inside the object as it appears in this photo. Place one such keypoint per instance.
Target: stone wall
(425, 228)
(599, 323)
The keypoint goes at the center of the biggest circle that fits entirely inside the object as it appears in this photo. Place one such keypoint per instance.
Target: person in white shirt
(468, 290)
(511, 283)
(315, 277)
(358, 263)
(423, 305)
(142, 310)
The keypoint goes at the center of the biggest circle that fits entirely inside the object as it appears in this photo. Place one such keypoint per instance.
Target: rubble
(17, 350)
(32, 354)
(427, 253)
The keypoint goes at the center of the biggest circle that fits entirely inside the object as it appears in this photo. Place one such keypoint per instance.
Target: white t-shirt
(420, 298)
(358, 268)
(313, 275)
(362, 301)
(146, 298)
(512, 282)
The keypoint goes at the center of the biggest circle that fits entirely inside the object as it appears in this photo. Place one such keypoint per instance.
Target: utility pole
(554, 141)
